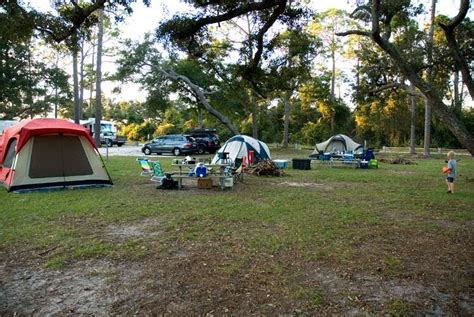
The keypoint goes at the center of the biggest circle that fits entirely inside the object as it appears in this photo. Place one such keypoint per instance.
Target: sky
(146, 19)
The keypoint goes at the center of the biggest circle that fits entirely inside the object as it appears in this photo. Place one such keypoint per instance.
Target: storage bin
(301, 164)
(229, 182)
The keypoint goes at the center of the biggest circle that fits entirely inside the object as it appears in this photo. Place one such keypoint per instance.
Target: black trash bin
(301, 164)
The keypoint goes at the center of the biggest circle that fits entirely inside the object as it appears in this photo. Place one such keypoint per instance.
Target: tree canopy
(269, 68)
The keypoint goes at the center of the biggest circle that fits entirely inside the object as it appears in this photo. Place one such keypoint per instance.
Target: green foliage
(165, 128)
(312, 133)
(139, 132)
(28, 84)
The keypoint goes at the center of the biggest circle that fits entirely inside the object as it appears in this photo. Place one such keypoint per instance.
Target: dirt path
(192, 278)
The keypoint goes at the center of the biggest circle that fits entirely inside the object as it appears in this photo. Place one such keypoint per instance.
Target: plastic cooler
(281, 164)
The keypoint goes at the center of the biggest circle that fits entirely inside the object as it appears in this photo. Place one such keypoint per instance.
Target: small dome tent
(337, 143)
(49, 153)
(239, 146)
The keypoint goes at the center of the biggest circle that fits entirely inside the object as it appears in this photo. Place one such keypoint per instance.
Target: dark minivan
(176, 144)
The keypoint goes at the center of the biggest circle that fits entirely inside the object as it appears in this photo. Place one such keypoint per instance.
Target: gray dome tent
(337, 143)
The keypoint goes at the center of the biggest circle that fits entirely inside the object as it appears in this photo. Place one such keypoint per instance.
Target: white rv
(108, 132)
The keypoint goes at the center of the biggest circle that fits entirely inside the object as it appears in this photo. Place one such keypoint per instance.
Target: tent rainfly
(239, 146)
(336, 143)
(49, 154)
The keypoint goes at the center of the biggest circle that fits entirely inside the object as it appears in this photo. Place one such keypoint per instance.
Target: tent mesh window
(58, 156)
(8, 162)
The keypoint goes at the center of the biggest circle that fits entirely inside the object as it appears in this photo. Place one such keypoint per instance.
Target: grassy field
(326, 241)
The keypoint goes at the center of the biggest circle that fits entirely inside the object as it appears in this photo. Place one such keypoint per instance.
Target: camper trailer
(108, 132)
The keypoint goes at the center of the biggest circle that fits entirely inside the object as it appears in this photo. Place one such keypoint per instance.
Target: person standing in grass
(451, 172)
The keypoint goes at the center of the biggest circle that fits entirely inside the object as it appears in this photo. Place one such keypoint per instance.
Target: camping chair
(158, 173)
(146, 167)
(238, 170)
(151, 168)
(325, 158)
(223, 158)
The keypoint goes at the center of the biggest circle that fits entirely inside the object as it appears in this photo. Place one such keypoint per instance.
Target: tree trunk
(199, 118)
(429, 75)
(439, 108)
(253, 101)
(77, 106)
(98, 91)
(56, 95)
(81, 80)
(201, 97)
(412, 123)
(286, 121)
(91, 92)
(333, 93)
(457, 97)
(461, 62)
(427, 130)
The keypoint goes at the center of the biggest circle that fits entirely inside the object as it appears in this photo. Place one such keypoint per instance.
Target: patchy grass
(285, 249)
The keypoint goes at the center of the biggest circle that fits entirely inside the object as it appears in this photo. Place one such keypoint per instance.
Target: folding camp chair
(158, 173)
(151, 168)
(238, 170)
(146, 167)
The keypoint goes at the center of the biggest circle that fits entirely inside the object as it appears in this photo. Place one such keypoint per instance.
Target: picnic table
(220, 172)
(342, 159)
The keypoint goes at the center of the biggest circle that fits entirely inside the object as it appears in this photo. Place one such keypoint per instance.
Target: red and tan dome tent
(48, 154)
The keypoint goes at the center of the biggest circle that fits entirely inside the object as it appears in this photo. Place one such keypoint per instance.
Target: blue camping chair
(325, 158)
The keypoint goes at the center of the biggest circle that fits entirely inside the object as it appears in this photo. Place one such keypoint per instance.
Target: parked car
(176, 144)
(207, 140)
(110, 138)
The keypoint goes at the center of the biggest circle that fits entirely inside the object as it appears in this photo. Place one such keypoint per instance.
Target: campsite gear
(373, 163)
(223, 155)
(205, 183)
(339, 143)
(201, 170)
(50, 154)
(244, 162)
(250, 157)
(281, 164)
(239, 146)
(223, 158)
(158, 173)
(146, 167)
(151, 168)
(301, 164)
(167, 183)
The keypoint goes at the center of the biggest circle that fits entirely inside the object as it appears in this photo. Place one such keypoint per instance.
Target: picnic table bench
(221, 179)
